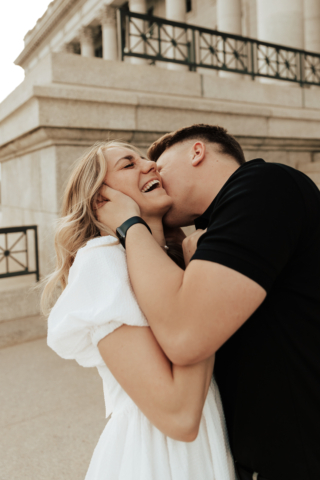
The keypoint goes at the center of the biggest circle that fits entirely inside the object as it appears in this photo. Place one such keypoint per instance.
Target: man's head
(194, 163)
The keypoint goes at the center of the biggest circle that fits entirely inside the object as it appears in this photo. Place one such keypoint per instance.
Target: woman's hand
(115, 208)
(189, 245)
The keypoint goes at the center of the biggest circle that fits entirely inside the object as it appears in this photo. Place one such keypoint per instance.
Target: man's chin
(173, 220)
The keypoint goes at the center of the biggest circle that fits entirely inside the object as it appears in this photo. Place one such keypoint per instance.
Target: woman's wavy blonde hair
(78, 223)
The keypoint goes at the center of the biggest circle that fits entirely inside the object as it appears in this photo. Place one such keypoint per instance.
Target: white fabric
(97, 300)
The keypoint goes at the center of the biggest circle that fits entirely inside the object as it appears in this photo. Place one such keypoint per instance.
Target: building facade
(95, 72)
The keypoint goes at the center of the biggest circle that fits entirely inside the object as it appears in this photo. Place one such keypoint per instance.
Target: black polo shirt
(265, 224)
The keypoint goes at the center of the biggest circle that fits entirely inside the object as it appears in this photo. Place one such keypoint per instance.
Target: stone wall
(51, 118)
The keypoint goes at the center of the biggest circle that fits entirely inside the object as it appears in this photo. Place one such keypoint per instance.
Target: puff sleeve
(97, 300)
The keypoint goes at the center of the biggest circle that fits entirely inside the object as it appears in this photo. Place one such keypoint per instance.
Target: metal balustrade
(159, 40)
(19, 251)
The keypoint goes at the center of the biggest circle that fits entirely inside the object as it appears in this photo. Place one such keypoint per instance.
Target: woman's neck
(157, 229)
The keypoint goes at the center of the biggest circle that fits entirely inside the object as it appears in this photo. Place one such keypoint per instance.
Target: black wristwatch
(122, 230)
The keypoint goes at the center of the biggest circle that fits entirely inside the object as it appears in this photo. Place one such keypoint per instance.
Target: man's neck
(218, 180)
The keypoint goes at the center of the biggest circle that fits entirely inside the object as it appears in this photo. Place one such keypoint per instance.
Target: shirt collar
(203, 221)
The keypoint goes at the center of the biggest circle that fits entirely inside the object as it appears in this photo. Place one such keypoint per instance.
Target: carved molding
(108, 15)
(86, 34)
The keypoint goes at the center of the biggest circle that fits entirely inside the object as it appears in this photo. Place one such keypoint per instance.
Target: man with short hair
(250, 294)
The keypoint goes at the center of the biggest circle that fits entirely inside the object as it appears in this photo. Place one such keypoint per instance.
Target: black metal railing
(159, 40)
(19, 251)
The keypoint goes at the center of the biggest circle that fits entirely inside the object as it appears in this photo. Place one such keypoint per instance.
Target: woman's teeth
(147, 187)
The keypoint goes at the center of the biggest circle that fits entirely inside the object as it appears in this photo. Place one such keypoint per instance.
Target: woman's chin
(158, 207)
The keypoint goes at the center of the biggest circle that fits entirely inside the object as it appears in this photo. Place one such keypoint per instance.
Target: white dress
(97, 300)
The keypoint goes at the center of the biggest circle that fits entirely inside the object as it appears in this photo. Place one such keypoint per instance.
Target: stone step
(19, 298)
(21, 330)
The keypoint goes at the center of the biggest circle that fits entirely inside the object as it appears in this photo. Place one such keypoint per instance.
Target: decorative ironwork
(159, 40)
(19, 251)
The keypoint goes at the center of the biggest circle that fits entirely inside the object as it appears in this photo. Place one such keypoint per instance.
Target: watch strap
(122, 230)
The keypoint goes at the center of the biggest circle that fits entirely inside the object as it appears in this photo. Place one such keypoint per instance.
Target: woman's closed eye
(129, 165)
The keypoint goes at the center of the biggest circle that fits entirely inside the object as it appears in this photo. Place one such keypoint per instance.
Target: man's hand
(117, 208)
(174, 235)
(189, 245)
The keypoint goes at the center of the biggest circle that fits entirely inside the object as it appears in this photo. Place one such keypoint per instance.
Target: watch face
(122, 237)
(121, 233)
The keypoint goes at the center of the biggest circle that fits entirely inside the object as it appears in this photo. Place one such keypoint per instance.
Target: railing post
(120, 20)
(252, 44)
(36, 252)
(193, 52)
(301, 62)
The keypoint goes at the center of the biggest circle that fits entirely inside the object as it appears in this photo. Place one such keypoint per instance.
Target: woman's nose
(148, 166)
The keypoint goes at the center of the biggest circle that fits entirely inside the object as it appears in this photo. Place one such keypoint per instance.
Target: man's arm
(191, 313)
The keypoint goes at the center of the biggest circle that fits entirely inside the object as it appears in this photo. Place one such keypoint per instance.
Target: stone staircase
(20, 318)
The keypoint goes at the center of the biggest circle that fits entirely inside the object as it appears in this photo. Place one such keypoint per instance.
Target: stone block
(293, 128)
(21, 182)
(296, 159)
(19, 303)
(68, 113)
(20, 121)
(250, 92)
(74, 69)
(22, 330)
(312, 97)
(166, 119)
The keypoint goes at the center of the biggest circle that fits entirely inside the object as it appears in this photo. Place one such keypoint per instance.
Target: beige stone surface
(19, 302)
(52, 414)
(20, 330)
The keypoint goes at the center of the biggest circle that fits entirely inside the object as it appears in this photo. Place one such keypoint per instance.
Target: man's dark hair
(209, 133)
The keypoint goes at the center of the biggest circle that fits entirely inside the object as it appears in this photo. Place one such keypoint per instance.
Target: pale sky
(16, 18)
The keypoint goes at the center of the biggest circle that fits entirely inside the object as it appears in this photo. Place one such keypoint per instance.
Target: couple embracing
(209, 345)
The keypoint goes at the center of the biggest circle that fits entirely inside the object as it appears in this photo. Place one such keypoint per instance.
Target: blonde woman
(167, 421)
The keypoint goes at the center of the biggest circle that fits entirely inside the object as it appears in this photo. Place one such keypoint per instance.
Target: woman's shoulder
(105, 241)
(100, 256)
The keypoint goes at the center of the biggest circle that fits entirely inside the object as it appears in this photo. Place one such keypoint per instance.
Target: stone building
(99, 69)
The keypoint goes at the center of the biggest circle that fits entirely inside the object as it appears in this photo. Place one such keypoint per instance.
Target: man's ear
(198, 153)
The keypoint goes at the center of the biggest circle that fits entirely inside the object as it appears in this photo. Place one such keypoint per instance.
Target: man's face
(177, 173)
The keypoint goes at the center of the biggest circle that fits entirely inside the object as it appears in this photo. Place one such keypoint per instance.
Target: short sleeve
(97, 300)
(255, 224)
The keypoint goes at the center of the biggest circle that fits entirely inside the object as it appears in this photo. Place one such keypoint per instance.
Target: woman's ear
(198, 153)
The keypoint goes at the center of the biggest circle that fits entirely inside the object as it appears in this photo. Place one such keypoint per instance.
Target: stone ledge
(21, 330)
(19, 303)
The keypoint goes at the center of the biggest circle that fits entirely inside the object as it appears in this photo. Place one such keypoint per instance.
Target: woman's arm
(170, 396)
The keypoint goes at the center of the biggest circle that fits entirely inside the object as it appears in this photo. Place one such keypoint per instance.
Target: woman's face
(137, 177)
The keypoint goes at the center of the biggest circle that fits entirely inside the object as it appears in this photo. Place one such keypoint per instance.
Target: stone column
(312, 25)
(109, 33)
(87, 42)
(176, 11)
(229, 16)
(229, 21)
(137, 6)
(281, 21)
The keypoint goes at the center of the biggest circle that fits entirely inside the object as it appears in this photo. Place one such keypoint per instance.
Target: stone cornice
(45, 26)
